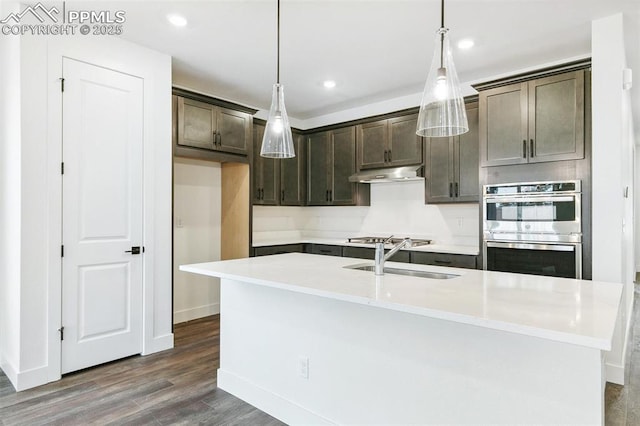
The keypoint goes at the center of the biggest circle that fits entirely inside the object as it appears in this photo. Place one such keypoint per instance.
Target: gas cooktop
(372, 240)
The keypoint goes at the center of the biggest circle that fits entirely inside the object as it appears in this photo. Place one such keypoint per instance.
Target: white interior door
(102, 215)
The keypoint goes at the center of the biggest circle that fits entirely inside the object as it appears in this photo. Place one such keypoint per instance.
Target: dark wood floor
(179, 387)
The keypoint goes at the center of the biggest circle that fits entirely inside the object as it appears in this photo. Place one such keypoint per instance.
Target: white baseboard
(272, 404)
(23, 380)
(614, 373)
(195, 313)
(157, 344)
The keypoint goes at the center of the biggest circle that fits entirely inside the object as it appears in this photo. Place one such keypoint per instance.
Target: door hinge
(62, 168)
(62, 84)
(62, 251)
(61, 330)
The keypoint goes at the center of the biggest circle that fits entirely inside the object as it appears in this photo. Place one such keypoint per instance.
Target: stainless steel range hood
(393, 174)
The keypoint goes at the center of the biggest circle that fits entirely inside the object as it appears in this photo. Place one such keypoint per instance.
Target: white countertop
(573, 311)
(432, 248)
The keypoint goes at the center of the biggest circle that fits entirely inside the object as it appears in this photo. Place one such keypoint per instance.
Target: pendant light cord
(278, 67)
(441, 34)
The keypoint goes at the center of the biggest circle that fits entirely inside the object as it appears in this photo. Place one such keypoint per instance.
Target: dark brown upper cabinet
(292, 175)
(278, 182)
(211, 127)
(266, 173)
(451, 165)
(533, 121)
(330, 162)
(388, 143)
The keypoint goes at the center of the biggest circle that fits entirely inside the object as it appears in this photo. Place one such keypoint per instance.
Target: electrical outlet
(303, 367)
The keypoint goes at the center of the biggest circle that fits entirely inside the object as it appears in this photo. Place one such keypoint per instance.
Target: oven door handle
(531, 199)
(530, 246)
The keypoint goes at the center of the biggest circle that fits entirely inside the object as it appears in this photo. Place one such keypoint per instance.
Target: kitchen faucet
(381, 257)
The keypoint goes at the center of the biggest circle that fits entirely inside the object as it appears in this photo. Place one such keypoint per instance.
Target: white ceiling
(375, 50)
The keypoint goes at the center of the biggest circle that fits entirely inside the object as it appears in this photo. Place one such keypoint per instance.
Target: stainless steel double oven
(533, 228)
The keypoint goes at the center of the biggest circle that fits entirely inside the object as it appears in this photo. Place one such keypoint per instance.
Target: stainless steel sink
(408, 272)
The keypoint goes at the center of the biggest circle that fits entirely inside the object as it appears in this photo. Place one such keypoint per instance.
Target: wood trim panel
(235, 206)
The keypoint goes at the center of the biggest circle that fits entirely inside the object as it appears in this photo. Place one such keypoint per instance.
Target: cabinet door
(343, 165)
(444, 259)
(326, 250)
(281, 249)
(292, 182)
(439, 170)
(405, 147)
(233, 131)
(256, 171)
(556, 117)
(466, 171)
(266, 178)
(372, 144)
(503, 125)
(318, 169)
(196, 124)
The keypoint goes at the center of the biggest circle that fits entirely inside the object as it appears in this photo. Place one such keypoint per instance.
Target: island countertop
(566, 310)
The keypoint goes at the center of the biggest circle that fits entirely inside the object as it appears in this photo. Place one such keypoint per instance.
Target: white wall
(10, 221)
(197, 217)
(611, 173)
(396, 208)
(33, 294)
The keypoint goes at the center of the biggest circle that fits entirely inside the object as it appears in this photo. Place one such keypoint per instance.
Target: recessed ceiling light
(329, 84)
(465, 43)
(177, 20)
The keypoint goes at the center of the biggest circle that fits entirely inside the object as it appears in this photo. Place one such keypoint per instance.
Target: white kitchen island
(311, 342)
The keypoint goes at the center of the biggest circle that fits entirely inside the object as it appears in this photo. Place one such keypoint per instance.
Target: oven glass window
(534, 211)
(537, 262)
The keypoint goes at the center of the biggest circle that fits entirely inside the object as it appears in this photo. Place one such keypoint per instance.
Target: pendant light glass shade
(442, 111)
(277, 141)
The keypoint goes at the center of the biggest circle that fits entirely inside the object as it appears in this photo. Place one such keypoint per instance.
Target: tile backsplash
(396, 208)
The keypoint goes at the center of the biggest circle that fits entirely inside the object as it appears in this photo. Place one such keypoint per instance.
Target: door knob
(134, 250)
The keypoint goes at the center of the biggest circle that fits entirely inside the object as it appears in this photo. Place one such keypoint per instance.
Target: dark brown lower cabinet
(369, 253)
(280, 249)
(403, 256)
(444, 259)
(325, 249)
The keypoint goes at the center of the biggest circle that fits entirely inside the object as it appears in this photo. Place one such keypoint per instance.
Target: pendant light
(442, 111)
(277, 141)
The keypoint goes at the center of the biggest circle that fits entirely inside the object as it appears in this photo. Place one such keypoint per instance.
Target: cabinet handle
(262, 193)
(326, 195)
(389, 155)
(450, 189)
(524, 148)
(219, 139)
(384, 156)
(282, 195)
(532, 151)
(331, 195)
(456, 189)
(443, 262)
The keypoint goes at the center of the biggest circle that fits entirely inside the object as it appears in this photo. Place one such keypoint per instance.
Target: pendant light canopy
(277, 141)
(442, 111)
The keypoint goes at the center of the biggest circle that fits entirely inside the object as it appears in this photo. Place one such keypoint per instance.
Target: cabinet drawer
(444, 259)
(284, 248)
(369, 253)
(326, 250)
